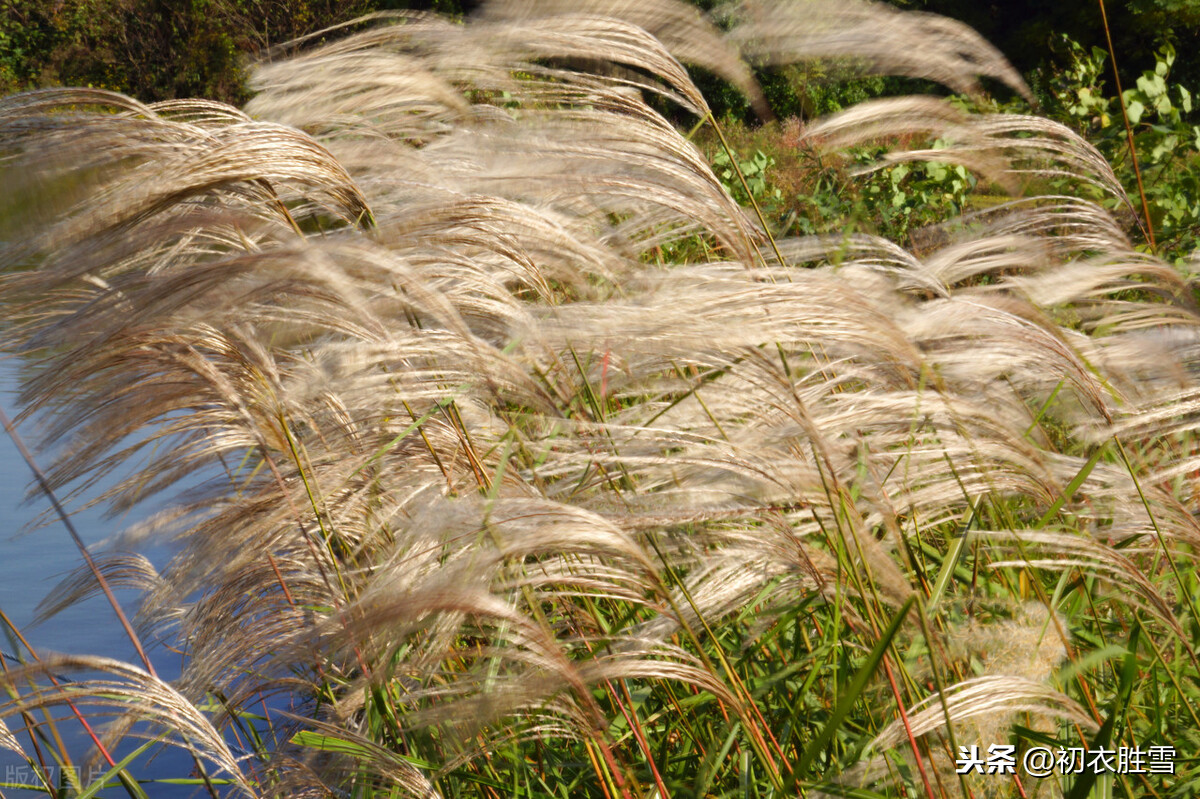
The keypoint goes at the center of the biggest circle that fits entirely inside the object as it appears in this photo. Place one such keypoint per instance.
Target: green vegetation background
(163, 49)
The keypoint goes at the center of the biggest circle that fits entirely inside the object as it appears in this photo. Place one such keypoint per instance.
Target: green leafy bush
(152, 49)
(1166, 139)
(749, 173)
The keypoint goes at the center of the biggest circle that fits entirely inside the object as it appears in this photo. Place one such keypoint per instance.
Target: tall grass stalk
(503, 452)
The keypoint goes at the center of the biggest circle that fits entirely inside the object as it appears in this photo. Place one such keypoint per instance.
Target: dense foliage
(159, 49)
(1029, 31)
(153, 49)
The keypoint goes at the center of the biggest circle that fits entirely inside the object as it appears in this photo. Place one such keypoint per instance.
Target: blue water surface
(36, 553)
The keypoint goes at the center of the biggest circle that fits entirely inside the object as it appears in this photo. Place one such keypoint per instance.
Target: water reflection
(36, 553)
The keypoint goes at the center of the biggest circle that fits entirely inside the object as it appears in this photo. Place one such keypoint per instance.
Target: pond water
(33, 558)
(36, 553)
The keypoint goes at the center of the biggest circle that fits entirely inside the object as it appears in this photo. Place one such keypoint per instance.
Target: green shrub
(1166, 139)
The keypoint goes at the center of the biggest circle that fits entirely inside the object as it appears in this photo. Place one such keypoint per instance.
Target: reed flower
(458, 465)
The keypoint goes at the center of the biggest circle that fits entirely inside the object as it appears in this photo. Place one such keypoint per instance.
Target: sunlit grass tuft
(510, 500)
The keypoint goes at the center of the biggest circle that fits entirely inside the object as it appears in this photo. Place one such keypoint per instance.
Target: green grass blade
(1129, 669)
(850, 697)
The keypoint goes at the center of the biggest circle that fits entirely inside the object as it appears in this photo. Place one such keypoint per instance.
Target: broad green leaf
(1135, 111)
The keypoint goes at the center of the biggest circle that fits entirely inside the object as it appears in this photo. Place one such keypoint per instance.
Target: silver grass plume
(403, 361)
